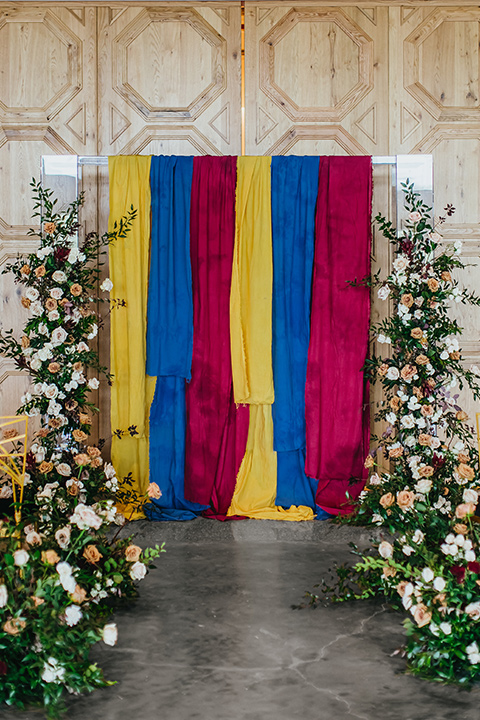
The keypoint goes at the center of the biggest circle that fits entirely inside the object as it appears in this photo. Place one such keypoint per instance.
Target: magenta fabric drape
(216, 429)
(337, 422)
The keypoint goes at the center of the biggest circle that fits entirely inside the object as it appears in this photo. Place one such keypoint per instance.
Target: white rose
(54, 408)
(64, 469)
(401, 263)
(82, 347)
(59, 335)
(418, 536)
(93, 332)
(56, 293)
(391, 418)
(106, 285)
(52, 671)
(109, 470)
(36, 308)
(407, 421)
(446, 628)
(427, 574)
(93, 383)
(470, 496)
(20, 557)
(32, 293)
(383, 292)
(138, 571)
(472, 648)
(385, 549)
(84, 517)
(73, 615)
(3, 596)
(423, 486)
(439, 584)
(50, 391)
(35, 364)
(408, 550)
(393, 373)
(59, 276)
(110, 634)
(470, 556)
(62, 536)
(473, 609)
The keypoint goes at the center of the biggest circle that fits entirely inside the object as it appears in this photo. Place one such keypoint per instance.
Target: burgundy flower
(437, 461)
(60, 254)
(407, 247)
(30, 461)
(3, 667)
(458, 572)
(474, 567)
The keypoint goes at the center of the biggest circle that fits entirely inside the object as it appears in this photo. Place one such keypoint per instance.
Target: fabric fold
(294, 182)
(216, 429)
(251, 289)
(336, 396)
(170, 333)
(132, 390)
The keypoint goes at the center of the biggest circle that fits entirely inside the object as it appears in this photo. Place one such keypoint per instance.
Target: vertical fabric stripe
(336, 415)
(216, 429)
(132, 391)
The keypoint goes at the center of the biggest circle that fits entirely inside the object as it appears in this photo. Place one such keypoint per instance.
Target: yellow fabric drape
(251, 289)
(256, 486)
(251, 343)
(132, 390)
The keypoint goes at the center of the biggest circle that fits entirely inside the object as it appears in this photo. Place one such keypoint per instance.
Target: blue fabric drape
(294, 187)
(170, 333)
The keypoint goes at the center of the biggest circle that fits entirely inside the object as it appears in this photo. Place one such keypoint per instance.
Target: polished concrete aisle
(213, 636)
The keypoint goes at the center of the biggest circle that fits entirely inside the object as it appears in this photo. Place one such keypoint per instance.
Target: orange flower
(387, 500)
(455, 355)
(395, 403)
(421, 359)
(464, 509)
(79, 435)
(431, 383)
(407, 372)
(465, 471)
(422, 615)
(93, 451)
(92, 554)
(426, 471)
(395, 452)
(51, 304)
(73, 489)
(45, 467)
(383, 369)
(463, 458)
(461, 415)
(446, 277)
(427, 410)
(37, 600)
(369, 462)
(85, 419)
(53, 367)
(71, 404)
(40, 271)
(54, 422)
(460, 528)
(401, 587)
(25, 302)
(50, 556)
(389, 571)
(417, 392)
(25, 270)
(9, 434)
(407, 299)
(82, 459)
(78, 595)
(132, 553)
(49, 227)
(405, 499)
(76, 289)
(96, 462)
(78, 366)
(416, 333)
(14, 626)
(433, 284)
(424, 439)
(154, 491)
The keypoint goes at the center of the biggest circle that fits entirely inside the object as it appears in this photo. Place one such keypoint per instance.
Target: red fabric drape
(216, 434)
(337, 423)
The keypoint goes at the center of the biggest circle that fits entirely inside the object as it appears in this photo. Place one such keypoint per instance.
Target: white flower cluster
(458, 547)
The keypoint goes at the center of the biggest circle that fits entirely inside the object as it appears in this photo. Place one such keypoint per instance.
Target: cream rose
(110, 634)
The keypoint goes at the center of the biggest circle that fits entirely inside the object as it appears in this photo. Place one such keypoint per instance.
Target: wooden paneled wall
(165, 78)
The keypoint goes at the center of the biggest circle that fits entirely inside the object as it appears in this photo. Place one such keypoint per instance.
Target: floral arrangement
(61, 567)
(424, 475)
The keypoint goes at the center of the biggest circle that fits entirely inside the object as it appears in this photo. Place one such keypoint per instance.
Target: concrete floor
(213, 636)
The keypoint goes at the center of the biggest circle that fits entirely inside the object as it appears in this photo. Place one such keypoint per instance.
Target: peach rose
(76, 289)
(388, 571)
(53, 367)
(425, 440)
(25, 302)
(421, 359)
(465, 471)
(427, 410)
(455, 355)
(73, 489)
(433, 284)
(401, 587)
(464, 509)
(96, 462)
(45, 467)
(79, 435)
(9, 434)
(93, 451)
(79, 594)
(426, 471)
(460, 528)
(383, 369)
(416, 333)
(25, 270)
(132, 553)
(85, 419)
(387, 500)
(40, 271)
(422, 615)
(51, 304)
(154, 491)
(395, 403)
(78, 366)
(92, 554)
(37, 600)
(50, 557)
(82, 459)
(461, 415)
(407, 372)
(407, 299)
(446, 277)
(405, 499)
(71, 404)
(14, 626)
(55, 423)
(49, 227)
(369, 462)
(463, 458)
(25, 341)
(395, 452)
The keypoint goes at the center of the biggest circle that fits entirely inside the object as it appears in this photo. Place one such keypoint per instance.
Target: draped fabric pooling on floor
(249, 310)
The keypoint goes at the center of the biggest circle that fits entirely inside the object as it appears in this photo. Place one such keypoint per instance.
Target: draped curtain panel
(254, 337)
(336, 396)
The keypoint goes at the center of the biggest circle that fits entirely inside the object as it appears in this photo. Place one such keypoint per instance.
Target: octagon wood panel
(435, 108)
(47, 106)
(316, 79)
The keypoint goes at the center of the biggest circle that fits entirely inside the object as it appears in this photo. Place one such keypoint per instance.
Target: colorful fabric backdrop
(244, 323)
